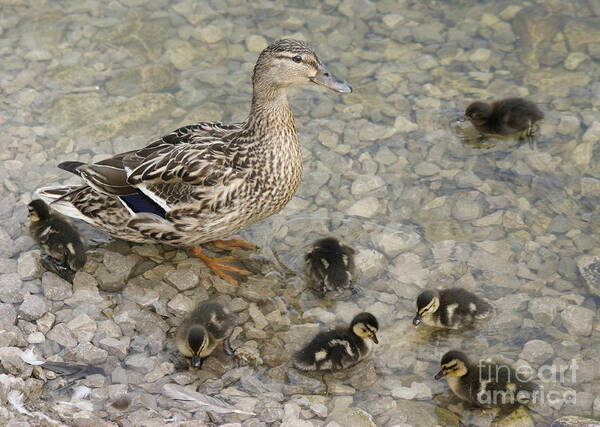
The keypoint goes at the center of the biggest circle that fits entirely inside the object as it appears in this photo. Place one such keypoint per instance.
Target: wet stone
(88, 353)
(8, 315)
(537, 352)
(55, 288)
(33, 307)
(10, 288)
(577, 320)
(62, 335)
(10, 358)
(182, 279)
(543, 310)
(29, 265)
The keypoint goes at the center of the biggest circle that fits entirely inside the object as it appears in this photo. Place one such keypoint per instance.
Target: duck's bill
(417, 320)
(196, 361)
(439, 375)
(325, 78)
(374, 338)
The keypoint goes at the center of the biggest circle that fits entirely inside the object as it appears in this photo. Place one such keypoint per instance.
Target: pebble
(55, 288)
(365, 208)
(577, 320)
(29, 265)
(33, 307)
(182, 279)
(537, 352)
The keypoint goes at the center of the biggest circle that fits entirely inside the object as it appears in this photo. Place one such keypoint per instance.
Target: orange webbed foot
(227, 268)
(230, 244)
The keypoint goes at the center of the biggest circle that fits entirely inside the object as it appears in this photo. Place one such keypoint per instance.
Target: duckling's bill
(325, 78)
(196, 361)
(439, 375)
(417, 320)
(374, 338)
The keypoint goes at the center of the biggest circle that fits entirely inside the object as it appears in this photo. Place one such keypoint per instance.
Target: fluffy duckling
(330, 264)
(341, 347)
(57, 237)
(450, 308)
(205, 327)
(486, 385)
(505, 117)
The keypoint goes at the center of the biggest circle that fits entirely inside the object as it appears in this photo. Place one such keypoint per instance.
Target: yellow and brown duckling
(339, 348)
(485, 384)
(199, 334)
(58, 238)
(451, 308)
(330, 264)
(508, 116)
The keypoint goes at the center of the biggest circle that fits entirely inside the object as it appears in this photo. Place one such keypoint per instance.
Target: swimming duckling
(486, 385)
(58, 238)
(330, 264)
(505, 117)
(450, 308)
(341, 347)
(205, 327)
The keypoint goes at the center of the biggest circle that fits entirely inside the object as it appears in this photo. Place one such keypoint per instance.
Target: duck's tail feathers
(71, 166)
(59, 198)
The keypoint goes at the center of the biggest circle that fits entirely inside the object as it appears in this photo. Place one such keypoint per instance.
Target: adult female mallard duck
(207, 181)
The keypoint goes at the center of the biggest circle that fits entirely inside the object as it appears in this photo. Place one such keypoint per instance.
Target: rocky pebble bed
(384, 171)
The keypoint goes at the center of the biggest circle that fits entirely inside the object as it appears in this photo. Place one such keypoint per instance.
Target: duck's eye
(297, 59)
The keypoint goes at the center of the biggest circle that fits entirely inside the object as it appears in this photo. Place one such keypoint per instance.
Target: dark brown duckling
(451, 308)
(339, 348)
(330, 264)
(207, 326)
(58, 238)
(508, 116)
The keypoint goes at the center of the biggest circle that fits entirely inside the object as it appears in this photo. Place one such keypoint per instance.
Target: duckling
(486, 385)
(330, 264)
(208, 325)
(58, 238)
(508, 116)
(341, 347)
(450, 308)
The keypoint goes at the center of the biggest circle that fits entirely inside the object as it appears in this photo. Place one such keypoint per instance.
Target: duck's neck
(270, 113)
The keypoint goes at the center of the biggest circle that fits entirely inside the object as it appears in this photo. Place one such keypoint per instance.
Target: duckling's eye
(297, 59)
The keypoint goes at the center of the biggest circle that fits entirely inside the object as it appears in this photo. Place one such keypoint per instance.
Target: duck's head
(478, 112)
(289, 61)
(38, 210)
(365, 325)
(453, 364)
(427, 303)
(197, 340)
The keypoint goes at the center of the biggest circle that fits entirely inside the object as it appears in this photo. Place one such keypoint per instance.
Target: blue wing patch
(139, 202)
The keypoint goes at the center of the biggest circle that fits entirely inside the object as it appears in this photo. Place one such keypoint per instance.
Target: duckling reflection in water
(339, 348)
(510, 116)
(486, 385)
(450, 308)
(60, 240)
(330, 264)
(199, 334)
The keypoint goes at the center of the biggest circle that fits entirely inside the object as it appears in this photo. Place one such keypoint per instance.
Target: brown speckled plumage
(211, 179)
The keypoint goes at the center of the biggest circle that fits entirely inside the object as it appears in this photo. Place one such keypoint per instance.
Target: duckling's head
(197, 340)
(365, 325)
(454, 364)
(38, 210)
(478, 112)
(289, 61)
(427, 303)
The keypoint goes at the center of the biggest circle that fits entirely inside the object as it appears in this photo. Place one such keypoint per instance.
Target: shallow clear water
(385, 170)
